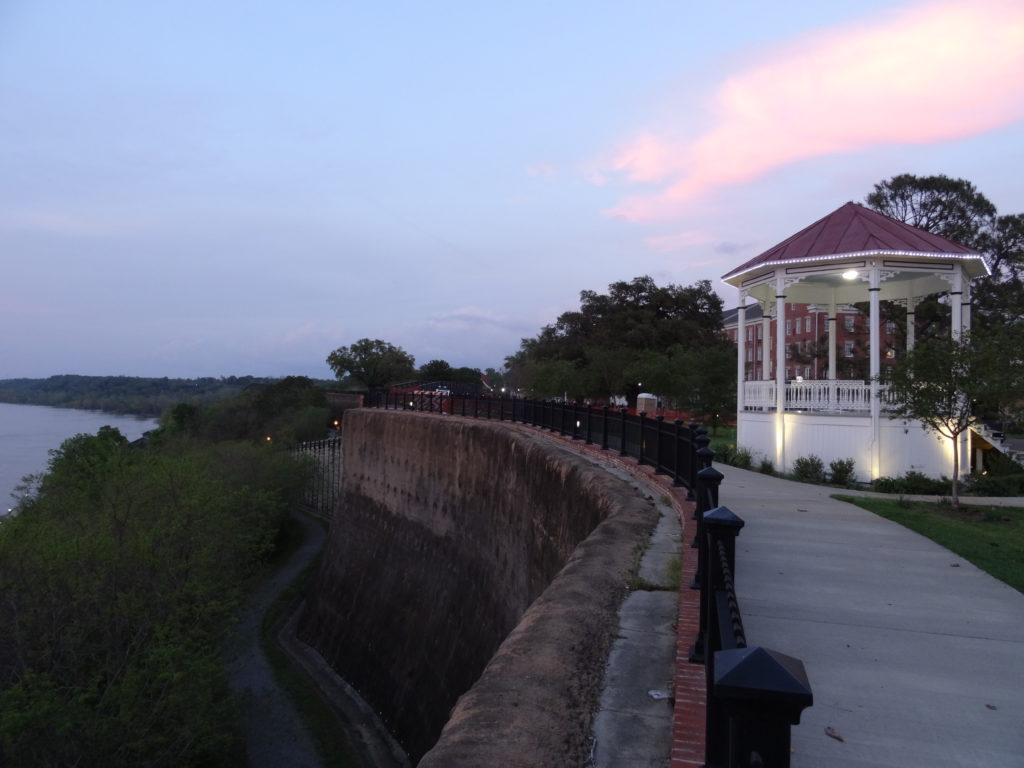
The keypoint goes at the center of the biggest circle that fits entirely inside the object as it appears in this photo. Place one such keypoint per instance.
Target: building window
(789, 327)
(788, 377)
(890, 327)
(759, 354)
(750, 334)
(807, 371)
(848, 324)
(807, 324)
(847, 349)
(789, 351)
(760, 328)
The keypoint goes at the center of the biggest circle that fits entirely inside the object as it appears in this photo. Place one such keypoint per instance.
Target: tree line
(120, 576)
(123, 394)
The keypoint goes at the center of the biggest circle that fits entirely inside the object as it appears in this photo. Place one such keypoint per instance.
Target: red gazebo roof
(853, 229)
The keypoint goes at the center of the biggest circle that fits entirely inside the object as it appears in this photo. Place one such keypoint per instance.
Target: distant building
(806, 342)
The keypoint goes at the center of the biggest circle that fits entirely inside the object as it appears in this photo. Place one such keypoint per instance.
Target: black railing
(671, 448)
(325, 485)
(754, 695)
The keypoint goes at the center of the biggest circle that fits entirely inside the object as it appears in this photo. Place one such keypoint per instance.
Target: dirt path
(275, 735)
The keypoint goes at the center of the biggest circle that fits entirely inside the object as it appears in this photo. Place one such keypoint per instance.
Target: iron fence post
(759, 694)
(692, 457)
(589, 412)
(720, 525)
(659, 422)
(643, 428)
(677, 468)
(708, 480)
(622, 436)
(604, 428)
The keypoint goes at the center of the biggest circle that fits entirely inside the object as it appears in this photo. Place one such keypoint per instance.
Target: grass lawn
(991, 538)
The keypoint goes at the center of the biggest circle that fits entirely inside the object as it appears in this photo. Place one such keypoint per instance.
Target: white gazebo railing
(832, 395)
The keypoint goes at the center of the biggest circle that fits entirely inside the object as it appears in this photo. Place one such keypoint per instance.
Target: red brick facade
(806, 335)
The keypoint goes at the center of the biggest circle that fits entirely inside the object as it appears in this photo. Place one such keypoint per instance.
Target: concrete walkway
(915, 657)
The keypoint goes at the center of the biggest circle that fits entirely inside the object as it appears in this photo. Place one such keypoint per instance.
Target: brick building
(806, 334)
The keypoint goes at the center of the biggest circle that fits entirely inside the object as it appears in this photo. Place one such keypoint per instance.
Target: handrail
(754, 695)
(324, 487)
(671, 448)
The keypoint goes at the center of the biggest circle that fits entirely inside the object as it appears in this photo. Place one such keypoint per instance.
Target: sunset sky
(217, 188)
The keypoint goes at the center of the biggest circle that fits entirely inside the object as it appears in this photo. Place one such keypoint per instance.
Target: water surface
(29, 432)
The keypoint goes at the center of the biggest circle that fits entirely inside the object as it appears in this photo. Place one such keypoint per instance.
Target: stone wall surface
(474, 555)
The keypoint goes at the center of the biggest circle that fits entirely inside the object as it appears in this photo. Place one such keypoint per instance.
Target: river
(29, 432)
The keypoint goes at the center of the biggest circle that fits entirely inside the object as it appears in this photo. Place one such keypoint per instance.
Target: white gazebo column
(965, 313)
(833, 390)
(911, 316)
(780, 374)
(956, 306)
(766, 342)
(875, 357)
(956, 303)
(741, 361)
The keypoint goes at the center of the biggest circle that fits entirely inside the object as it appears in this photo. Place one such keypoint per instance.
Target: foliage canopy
(372, 363)
(954, 208)
(619, 342)
(948, 383)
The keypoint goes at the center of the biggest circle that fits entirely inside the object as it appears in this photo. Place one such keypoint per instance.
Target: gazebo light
(850, 274)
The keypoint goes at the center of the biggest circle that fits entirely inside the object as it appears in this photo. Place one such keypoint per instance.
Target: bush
(887, 484)
(766, 467)
(912, 482)
(996, 485)
(916, 482)
(809, 469)
(733, 456)
(841, 471)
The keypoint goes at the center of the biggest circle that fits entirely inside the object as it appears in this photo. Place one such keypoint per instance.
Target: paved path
(915, 657)
(275, 734)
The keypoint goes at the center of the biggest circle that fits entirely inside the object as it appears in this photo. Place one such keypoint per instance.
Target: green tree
(955, 209)
(373, 363)
(436, 370)
(118, 583)
(947, 383)
(594, 351)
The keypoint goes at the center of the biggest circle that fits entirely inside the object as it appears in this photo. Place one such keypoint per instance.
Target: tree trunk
(956, 471)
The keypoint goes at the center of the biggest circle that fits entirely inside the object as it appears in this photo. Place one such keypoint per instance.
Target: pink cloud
(676, 242)
(933, 72)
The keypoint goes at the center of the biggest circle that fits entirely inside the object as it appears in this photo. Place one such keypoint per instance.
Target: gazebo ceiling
(912, 261)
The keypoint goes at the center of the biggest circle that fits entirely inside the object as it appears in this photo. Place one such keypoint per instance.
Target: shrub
(766, 467)
(887, 485)
(841, 471)
(996, 485)
(916, 482)
(912, 482)
(809, 469)
(742, 458)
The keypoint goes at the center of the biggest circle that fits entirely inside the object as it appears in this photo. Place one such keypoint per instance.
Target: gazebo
(852, 255)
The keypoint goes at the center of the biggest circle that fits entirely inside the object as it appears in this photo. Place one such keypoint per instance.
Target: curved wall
(449, 530)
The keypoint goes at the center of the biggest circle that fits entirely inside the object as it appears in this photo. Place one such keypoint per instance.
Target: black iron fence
(672, 448)
(325, 485)
(754, 695)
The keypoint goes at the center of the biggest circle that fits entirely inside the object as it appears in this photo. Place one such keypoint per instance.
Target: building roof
(853, 229)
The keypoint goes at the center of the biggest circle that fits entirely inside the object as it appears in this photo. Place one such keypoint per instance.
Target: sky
(237, 188)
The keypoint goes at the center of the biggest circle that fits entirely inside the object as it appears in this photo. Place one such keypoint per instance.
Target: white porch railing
(832, 395)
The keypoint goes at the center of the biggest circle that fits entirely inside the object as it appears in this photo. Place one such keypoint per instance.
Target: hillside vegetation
(121, 574)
